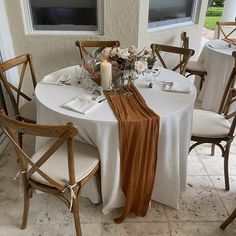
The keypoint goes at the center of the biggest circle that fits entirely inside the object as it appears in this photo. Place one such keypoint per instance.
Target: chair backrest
(229, 97)
(60, 135)
(85, 45)
(185, 54)
(184, 40)
(225, 29)
(15, 92)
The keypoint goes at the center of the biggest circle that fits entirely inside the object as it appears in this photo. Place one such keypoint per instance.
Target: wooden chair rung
(83, 45)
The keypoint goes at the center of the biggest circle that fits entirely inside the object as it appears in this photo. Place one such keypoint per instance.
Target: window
(169, 12)
(76, 15)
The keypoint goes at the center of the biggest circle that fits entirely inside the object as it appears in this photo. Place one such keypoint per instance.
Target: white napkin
(218, 44)
(81, 104)
(177, 88)
(49, 79)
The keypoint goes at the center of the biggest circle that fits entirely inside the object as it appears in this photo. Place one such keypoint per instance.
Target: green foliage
(213, 14)
(214, 11)
(210, 22)
(218, 3)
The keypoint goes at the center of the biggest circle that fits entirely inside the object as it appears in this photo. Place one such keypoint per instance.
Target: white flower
(113, 52)
(123, 53)
(140, 66)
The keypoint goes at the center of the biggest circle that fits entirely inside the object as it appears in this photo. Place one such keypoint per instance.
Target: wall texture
(123, 20)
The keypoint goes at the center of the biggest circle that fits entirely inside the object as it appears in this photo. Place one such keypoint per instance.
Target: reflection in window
(64, 15)
(163, 12)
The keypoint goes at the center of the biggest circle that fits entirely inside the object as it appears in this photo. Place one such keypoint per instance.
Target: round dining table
(99, 127)
(218, 62)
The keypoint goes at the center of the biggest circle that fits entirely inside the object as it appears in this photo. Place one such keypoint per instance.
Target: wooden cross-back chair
(84, 45)
(225, 29)
(185, 54)
(229, 219)
(218, 128)
(26, 112)
(59, 167)
(193, 67)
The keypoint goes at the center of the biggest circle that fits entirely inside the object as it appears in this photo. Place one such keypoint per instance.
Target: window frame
(29, 29)
(157, 25)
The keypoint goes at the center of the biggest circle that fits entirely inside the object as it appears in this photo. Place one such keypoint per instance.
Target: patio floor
(204, 206)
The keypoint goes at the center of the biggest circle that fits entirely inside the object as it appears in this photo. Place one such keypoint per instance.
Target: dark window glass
(64, 15)
(166, 12)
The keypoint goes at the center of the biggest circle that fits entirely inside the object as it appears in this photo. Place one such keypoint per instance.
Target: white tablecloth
(218, 63)
(99, 127)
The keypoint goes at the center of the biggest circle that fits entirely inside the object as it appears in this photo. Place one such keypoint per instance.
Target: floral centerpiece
(119, 57)
(139, 61)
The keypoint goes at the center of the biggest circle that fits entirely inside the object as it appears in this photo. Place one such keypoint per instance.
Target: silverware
(102, 100)
(94, 97)
(65, 83)
(150, 85)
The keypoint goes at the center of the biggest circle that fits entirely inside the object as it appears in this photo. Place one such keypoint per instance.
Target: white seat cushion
(28, 110)
(209, 124)
(196, 65)
(86, 158)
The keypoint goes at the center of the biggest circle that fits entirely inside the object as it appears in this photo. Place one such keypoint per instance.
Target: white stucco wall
(124, 20)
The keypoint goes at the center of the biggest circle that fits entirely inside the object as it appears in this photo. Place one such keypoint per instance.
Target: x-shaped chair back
(225, 29)
(61, 134)
(85, 45)
(15, 91)
(185, 54)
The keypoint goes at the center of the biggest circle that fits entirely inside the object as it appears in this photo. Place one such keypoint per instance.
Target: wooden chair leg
(98, 180)
(213, 149)
(20, 137)
(76, 216)
(26, 204)
(228, 220)
(226, 169)
(201, 81)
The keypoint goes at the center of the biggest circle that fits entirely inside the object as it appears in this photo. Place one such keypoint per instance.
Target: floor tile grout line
(168, 221)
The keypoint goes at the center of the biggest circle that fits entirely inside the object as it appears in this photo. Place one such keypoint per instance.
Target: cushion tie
(72, 194)
(18, 173)
(20, 182)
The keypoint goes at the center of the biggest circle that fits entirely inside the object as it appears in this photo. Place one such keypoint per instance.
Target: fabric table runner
(138, 136)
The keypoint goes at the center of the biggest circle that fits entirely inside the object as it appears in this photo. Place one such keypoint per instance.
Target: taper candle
(106, 74)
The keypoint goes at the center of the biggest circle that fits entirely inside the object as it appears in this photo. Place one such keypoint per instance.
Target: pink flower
(133, 49)
(105, 53)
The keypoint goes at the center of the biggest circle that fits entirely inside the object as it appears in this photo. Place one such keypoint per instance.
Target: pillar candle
(106, 74)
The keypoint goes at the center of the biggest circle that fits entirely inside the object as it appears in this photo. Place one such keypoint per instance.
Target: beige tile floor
(204, 205)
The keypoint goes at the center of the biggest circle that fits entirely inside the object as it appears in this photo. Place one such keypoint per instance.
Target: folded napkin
(218, 44)
(177, 88)
(81, 104)
(60, 80)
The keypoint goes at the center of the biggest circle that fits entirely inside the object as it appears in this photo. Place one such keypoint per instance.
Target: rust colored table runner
(138, 136)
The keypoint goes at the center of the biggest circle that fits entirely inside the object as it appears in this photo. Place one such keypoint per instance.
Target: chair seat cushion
(28, 110)
(196, 66)
(208, 124)
(86, 158)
